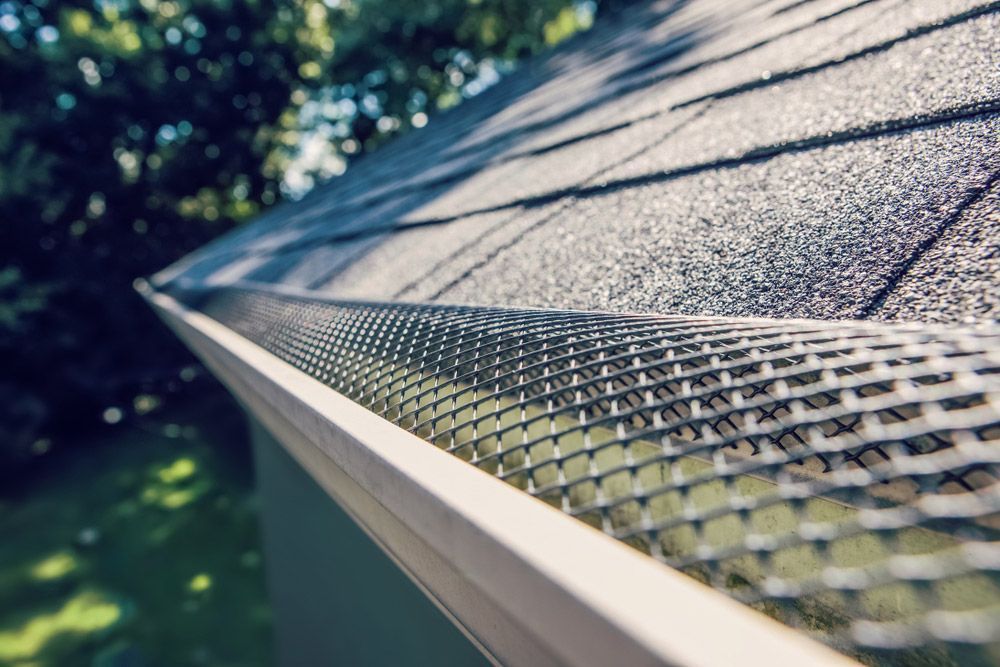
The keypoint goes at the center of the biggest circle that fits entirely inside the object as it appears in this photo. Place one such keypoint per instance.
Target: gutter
(526, 583)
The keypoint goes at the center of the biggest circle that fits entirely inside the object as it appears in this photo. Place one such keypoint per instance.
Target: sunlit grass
(177, 471)
(200, 582)
(83, 613)
(56, 566)
(140, 547)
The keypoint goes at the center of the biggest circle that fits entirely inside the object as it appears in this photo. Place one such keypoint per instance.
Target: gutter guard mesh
(840, 477)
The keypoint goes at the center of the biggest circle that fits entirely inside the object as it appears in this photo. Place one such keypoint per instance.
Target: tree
(133, 131)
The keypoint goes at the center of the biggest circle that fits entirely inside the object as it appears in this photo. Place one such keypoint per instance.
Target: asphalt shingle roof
(826, 158)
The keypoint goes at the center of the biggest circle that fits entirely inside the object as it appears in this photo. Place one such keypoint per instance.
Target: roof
(827, 159)
(822, 159)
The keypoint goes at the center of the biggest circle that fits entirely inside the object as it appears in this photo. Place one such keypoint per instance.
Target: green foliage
(141, 550)
(133, 131)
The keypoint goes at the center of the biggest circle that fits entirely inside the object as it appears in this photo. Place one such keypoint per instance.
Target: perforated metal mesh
(841, 477)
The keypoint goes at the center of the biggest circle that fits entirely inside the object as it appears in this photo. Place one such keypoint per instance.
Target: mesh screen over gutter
(840, 477)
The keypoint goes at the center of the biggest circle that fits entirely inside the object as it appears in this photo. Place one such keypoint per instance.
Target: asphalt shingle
(816, 233)
(955, 278)
(830, 158)
(956, 69)
(412, 264)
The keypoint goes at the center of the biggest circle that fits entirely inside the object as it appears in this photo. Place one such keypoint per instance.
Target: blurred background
(131, 132)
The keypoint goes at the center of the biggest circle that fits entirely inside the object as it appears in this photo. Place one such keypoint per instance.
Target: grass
(139, 547)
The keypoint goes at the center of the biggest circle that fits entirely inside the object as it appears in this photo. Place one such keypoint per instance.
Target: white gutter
(528, 584)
